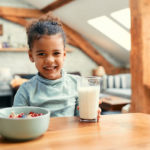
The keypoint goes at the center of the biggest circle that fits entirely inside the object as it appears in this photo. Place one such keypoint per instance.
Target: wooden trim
(17, 20)
(56, 4)
(20, 12)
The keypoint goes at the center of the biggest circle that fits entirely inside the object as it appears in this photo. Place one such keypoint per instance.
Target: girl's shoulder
(29, 83)
(73, 77)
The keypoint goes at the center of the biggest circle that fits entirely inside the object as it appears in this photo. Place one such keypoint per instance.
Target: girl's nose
(50, 59)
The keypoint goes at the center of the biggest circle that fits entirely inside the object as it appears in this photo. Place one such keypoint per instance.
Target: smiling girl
(51, 87)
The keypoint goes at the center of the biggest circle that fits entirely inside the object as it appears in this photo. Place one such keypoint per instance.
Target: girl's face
(48, 53)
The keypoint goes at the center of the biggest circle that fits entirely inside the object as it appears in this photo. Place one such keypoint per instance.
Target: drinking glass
(89, 91)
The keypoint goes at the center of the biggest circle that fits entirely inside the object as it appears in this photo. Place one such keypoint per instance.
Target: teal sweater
(59, 96)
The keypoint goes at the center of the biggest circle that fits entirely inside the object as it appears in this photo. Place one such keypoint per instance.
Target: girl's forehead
(49, 42)
(51, 37)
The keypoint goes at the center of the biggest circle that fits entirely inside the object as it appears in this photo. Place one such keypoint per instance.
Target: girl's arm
(21, 97)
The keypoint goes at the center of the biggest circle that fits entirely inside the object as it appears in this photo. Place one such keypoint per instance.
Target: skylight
(112, 30)
(123, 17)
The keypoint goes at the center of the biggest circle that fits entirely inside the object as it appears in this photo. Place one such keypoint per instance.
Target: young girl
(52, 87)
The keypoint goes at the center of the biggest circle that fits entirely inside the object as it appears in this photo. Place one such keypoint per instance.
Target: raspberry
(31, 112)
(10, 116)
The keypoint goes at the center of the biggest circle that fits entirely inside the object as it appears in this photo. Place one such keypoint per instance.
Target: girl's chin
(52, 77)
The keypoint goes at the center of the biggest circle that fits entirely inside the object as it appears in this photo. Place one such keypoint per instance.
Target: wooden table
(113, 103)
(113, 132)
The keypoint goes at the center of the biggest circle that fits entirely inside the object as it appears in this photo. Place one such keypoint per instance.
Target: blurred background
(98, 35)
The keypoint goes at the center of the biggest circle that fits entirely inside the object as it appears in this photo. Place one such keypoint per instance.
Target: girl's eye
(41, 54)
(57, 53)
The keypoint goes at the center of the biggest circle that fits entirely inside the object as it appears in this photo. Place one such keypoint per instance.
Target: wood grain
(140, 55)
(145, 5)
(113, 132)
(18, 20)
(20, 12)
(56, 4)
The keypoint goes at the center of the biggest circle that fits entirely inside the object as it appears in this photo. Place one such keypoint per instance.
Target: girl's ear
(30, 56)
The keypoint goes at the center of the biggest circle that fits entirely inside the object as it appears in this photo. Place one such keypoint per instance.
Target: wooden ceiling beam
(17, 20)
(71, 42)
(56, 4)
(20, 12)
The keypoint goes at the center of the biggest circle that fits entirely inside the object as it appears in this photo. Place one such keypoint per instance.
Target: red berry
(19, 116)
(32, 115)
(10, 116)
(35, 115)
(40, 114)
(31, 112)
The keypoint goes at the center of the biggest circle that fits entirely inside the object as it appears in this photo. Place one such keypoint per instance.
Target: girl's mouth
(49, 68)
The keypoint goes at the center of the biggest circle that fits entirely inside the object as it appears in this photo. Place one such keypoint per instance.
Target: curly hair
(46, 25)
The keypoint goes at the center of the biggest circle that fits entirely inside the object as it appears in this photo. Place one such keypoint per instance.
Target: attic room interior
(105, 40)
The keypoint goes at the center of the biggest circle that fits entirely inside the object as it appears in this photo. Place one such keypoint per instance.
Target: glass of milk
(89, 90)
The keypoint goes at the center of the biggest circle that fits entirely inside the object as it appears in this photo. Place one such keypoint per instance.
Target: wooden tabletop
(113, 132)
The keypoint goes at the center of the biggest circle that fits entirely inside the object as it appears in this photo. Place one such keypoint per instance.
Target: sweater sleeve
(21, 97)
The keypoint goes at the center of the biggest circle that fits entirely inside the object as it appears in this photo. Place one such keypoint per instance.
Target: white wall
(18, 62)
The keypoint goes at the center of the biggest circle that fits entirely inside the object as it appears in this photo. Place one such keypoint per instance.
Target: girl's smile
(48, 54)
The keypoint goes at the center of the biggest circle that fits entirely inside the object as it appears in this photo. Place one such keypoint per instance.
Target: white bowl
(23, 128)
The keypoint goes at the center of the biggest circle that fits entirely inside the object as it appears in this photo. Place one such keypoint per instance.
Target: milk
(88, 101)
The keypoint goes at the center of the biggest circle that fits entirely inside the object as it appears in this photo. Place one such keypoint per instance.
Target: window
(112, 29)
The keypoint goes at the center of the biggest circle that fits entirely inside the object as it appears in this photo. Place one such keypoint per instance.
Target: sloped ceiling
(40, 3)
(76, 13)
